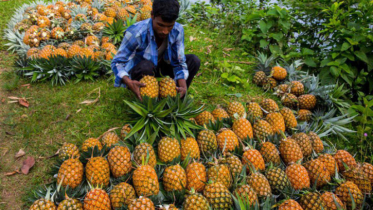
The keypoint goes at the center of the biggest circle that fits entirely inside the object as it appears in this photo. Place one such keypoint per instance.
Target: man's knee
(194, 60)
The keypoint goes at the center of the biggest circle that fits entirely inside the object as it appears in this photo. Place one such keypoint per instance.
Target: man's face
(161, 28)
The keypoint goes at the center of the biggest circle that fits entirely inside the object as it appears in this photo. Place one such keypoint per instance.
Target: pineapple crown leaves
(115, 31)
(265, 62)
(293, 73)
(45, 191)
(78, 10)
(99, 5)
(93, 152)
(84, 68)
(15, 41)
(243, 203)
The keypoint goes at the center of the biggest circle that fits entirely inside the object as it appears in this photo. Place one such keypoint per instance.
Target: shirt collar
(150, 27)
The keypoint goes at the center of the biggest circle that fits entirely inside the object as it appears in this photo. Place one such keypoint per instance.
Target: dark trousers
(147, 67)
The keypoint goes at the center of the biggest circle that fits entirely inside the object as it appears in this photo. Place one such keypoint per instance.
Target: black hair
(168, 10)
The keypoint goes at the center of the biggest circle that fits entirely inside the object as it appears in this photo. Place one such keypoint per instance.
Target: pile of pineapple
(242, 157)
(73, 28)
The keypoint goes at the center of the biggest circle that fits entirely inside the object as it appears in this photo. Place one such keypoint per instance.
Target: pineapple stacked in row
(75, 28)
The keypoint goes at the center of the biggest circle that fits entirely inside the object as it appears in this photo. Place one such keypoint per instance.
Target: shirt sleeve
(125, 54)
(178, 61)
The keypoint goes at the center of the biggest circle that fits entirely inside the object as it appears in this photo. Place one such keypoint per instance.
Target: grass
(45, 125)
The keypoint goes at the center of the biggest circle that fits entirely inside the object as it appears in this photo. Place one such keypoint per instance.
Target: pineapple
(91, 143)
(290, 204)
(269, 105)
(262, 130)
(307, 101)
(270, 153)
(92, 40)
(277, 179)
(259, 78)
(330, 200)
(167, 87)
(348, 192)
(141, 152)
(279, 73)
(218, 196)
(204, 118)
(70, 173)
(97, 199)
(43, 22)
(219, 113)
(98, 27)
(246, 194)
(86, 52)
(119, 159)
(57, 33)
(196, 201)
(145, 181)
(86, 28)
(110, 139)
(236, 107)
(98, 171)
(32, 53)
(271, 83)
(260, 184)
(110, 12)
(358, 177)
(304, 115)
(298, 176)
(168, 149)
(121, 195)
(125, 130)
(145, 15)
(289, 118)
(253, 160)
(330, 163)
(312, 201)
(234, 164)
(227, 140)
(59, 52)
(141, 204)
(196, 176)
(44, 34)
(254, 111)
(189, 146)
(367, 169)
(207, 141)
(290, 151)
(277, 122)
(70, 203)
(317, 172)
(289, 100)
(44, 203)
(220, 173)
(122, 14)
(151, 88)
(68, 151)
(304, 143)
(316, 142)
(242, 128)
(46, 52)
(73, 51)
(342, 156)
(174, 178)
(296, 88)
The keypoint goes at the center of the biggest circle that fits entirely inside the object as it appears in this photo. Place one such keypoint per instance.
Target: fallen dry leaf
(78, 110)
(3, 100)
(21, 101)
(9, 133)
(208, 50)
(205, 64)
(27, 165)
(228, 49)
(226, 54)
(191, 38)
(68, 117)
(89, 102)
(20, 153)
(198, 74)
(26, 85)
(12, 173)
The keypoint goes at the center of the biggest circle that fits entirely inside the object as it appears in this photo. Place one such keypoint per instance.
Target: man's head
(164, 15)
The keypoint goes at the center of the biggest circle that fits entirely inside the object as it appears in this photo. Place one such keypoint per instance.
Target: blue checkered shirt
(139, 43)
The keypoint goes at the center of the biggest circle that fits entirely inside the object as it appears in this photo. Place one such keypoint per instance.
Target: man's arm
(178, 63)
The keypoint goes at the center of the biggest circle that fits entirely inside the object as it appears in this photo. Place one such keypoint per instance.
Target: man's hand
(182, 89)
(134, 86)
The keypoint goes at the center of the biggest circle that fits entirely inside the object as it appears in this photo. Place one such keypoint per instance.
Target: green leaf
(277, 36)
(324, 62)
(345, 46)
(136, 108)
(334, 55)
(362, 56)
(263, 43)
(307, 51)
(224, 75)
(335, 71)
(263, 26)
(310, 62)
(275, 49)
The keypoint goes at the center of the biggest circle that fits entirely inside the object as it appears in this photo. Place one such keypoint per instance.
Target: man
(155, 47)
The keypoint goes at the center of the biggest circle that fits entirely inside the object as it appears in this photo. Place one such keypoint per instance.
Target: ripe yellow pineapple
(70, 173)
(349, 191)
(242, 128)
(262, 130)
(189, 147)
(270, 153)
(92, 40)
(207, 142)
(278, 180)
(196, 176)
(269, 105)
(312, 201)
(145, 181)
(330, 200)
(307, 101)
(330, 163)
(259, 78)
(91, 143)
(174, 178)
(57, 33)
(167, 87)
(68, 150)
(252, 159)
(290, 204)
(119, 159)
(204, 118)
(279, 73)
(342, 156)
(277, 122)
(43, 22)
(168, 149)
(234, 164)
(70, 203)
(303, 142)
(317, 172)
(289, 100)
(254, 111)
(236, 107)
(60, 52)
(227, 140)
(110, 12)
(290, 151)
(97, 199)
(142, 151)
(97, 171)
(44, 203)
(367, 168)
(316, 142)
(87, 53)
(298, 176)
(125, 130)
(218, 196)
(289, 118)
(296, 88)
(97, 27)
(109, 139)
(260, 184)
(121, 195)
(246, 194)
(220, 173)
(73, 50)
(196, 201)
(304, 115)
(358, 177)
(122, 14)
(219, 113)
(141, 204)
(151, 88)
(32, 53)
(46, 52)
